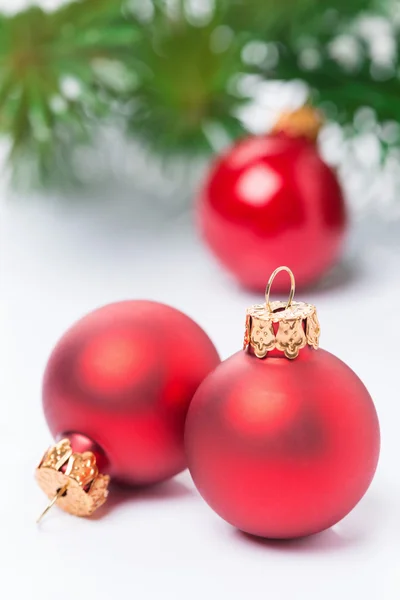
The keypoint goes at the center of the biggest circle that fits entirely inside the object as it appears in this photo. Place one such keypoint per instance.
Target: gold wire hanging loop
(58, 495)
(269, 284)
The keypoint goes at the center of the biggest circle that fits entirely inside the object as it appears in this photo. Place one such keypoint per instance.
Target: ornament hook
(269, 285)
(58, 495)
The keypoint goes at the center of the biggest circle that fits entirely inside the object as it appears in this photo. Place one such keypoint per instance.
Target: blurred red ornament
(118, 384)
(282, 448)
(273, 199)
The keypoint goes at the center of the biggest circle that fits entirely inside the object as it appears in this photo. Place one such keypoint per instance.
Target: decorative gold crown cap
(71, 480)
(296, 324)
(303, 122)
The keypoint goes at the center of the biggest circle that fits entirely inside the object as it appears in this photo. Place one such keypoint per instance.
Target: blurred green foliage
(169, 72)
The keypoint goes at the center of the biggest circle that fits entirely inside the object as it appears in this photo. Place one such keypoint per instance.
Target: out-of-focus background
(110, 114)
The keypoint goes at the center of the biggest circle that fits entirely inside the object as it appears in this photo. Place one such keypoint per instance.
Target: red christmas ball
(282, 448)
(272, 199)
(119, 384)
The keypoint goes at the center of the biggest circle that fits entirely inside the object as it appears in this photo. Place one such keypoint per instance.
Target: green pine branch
(169, 75)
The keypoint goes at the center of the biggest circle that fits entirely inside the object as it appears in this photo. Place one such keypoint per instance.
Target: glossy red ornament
(282, 448)
(119, 384)
(272, 199)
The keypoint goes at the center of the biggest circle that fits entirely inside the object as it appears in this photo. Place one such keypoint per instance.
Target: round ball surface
(124, 376)
(269, 201)
(279, 448)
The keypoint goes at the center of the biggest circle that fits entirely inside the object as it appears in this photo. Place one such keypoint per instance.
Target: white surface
(58, 261)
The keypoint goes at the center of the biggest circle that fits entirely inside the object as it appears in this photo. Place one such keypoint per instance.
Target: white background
(59, 260)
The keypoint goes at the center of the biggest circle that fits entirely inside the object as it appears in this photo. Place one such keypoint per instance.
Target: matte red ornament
(282, 448)
(272, 199)
(118, 385)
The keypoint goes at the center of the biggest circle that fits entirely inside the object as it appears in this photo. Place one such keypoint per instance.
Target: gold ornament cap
(71, 480)
(284, 326)
(304, 122)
